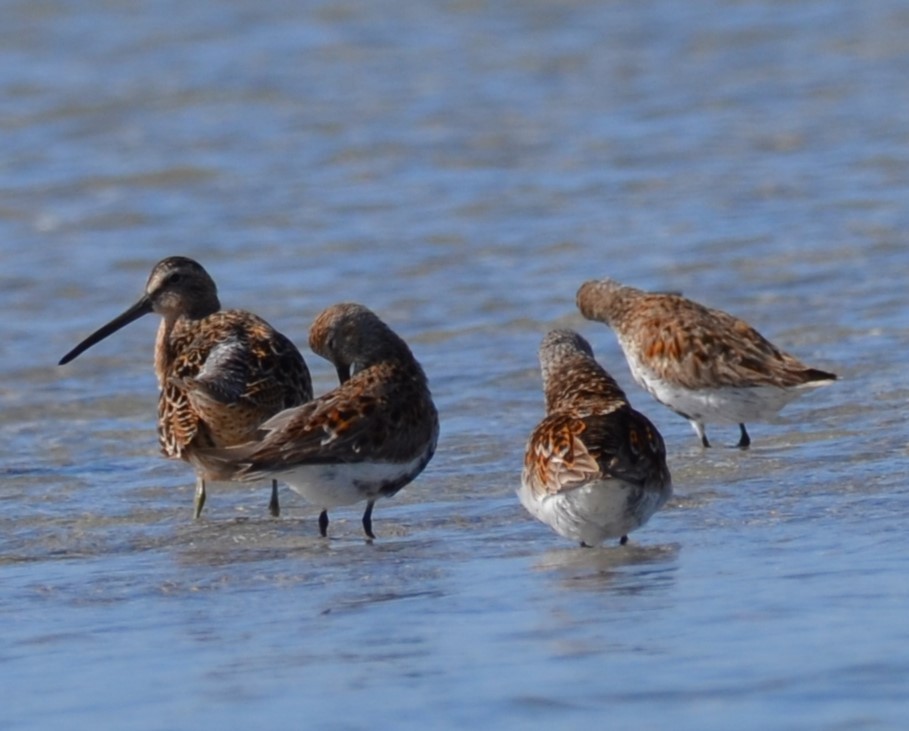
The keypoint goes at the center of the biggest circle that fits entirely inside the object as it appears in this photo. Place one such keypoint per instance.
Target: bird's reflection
(626, 569)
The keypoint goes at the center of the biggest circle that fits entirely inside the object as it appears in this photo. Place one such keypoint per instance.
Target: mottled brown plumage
(221, 373)
(363, 440)
(594, 468)
(703, 363)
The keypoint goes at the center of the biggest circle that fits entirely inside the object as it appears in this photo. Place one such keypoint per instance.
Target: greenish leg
(199, 500)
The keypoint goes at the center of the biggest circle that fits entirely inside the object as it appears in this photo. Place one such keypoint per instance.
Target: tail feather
(819, 377)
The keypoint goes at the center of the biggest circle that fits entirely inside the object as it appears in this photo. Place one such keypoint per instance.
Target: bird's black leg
(745, 441)
(367, 520)
(323, 523)
(701, 431)
(274, 508)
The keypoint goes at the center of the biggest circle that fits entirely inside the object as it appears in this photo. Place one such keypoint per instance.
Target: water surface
(461, 168)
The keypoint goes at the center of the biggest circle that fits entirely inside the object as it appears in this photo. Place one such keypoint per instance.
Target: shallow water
(461, 169)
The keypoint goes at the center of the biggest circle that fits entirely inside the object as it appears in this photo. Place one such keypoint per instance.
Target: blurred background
(460, 167)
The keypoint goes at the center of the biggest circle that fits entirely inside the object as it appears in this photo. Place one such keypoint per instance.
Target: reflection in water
(628, 569)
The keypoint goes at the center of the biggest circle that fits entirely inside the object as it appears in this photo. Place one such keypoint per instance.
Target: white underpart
(723, 404)
(331, 485)
(594, 512)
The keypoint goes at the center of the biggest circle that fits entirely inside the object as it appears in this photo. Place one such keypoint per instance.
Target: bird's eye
(174, 278)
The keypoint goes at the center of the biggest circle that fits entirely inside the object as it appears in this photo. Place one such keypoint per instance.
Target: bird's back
(221, 377)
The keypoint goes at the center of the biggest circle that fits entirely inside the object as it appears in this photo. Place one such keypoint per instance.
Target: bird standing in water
(221, 373)
(704, 364)
(365, 439)
(594, 468)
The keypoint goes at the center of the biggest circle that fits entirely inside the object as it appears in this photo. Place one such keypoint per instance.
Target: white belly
(727, 404)
(722, 404)
(594, 512)
(332, 485)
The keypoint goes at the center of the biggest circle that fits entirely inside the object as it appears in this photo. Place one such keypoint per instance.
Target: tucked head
(603, 300)
(571, 374)
(176, 286)
(352, 336)
(561, 346)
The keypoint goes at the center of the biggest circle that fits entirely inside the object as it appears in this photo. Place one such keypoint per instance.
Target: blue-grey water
(460, 167)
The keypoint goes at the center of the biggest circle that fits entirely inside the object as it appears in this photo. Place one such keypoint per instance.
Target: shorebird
(364, 440)
(704, 364)
(594, 468)
(221, 373)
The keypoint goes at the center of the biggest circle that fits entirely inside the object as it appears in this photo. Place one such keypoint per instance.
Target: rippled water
(459, 167)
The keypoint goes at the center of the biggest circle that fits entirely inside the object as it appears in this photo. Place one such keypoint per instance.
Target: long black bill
(343, 373)
(142, 307)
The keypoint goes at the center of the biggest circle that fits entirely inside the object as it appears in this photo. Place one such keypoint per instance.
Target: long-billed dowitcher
(364, 440)
(594, 468)
(704, 364)
(221, 373)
